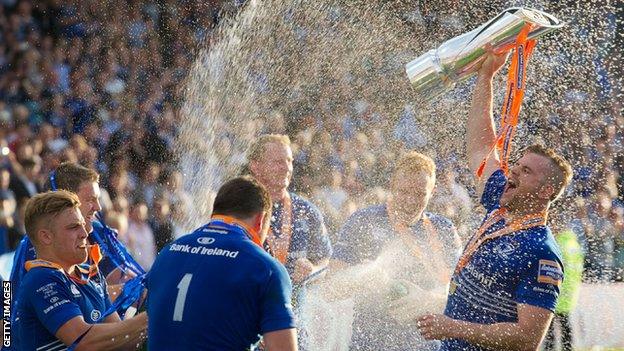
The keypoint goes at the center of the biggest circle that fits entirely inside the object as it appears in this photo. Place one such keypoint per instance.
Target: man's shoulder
(539, 241)
(371, 212)
(303, 202)
(39, 276)
(222, 240)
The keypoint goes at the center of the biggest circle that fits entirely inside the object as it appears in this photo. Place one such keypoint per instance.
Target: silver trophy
(457, 59)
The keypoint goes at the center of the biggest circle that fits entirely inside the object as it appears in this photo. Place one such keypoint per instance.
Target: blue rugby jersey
(215, 289)
(48, 299)
(25, 251)
(362, 238)
(523, 267)
(309, 234)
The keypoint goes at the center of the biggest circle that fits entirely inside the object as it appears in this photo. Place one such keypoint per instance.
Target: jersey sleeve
(52, 300)
(493, 190)
(539, 283)
(352, 240)
(320, 246)
(277, 312)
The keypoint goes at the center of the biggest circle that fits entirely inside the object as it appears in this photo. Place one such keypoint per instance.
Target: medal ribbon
(516, 79)
(480, 237)
(252, 234)
(279, 245)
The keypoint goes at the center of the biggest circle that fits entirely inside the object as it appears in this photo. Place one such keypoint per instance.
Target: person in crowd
(140, 237)
(217, 288)
(505, 286)
(61, 300)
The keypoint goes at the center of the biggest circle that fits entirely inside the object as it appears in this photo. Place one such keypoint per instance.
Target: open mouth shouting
(511, 185)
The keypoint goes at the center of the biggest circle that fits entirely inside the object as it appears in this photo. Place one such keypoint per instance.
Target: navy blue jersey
(363, 237)
(48, 298)
(523, 267)
(309, 235)
(215, 289)
(368, 230)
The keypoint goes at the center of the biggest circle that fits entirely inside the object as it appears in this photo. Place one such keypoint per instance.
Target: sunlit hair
(414, 162)
(561, 174)
(42, 208)
(70, 176)
(256, 149)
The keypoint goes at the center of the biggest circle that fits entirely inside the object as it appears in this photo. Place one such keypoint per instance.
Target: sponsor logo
(505, 249)
(95, 315)
(204, 240)
(54, 299)
(74, 290)
(480, 277)
(549, 272)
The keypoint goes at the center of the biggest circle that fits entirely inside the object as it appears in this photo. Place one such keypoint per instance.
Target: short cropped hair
(561, 171)
(70, 175)
(241, 197)
(256, 149)
(41, 208)
(415, 162)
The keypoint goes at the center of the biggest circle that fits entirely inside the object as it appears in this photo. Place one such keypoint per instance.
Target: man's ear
(262, 221)
(45, 236)
(546, 192)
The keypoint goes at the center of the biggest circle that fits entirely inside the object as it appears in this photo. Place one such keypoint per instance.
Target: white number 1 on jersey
(183, 286)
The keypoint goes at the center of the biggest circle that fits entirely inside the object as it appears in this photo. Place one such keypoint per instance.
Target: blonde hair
(45, 206)
(561, 172)
(415, 162)
(256, 149)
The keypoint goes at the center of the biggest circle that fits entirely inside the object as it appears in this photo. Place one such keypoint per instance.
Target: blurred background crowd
(100, 83)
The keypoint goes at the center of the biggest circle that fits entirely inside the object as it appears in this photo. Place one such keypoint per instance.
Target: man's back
(215, 290)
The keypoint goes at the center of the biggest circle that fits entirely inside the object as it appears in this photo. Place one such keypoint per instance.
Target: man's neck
(528, 211)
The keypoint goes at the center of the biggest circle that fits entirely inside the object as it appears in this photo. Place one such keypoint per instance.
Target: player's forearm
(499, 336)
(113, 336)
(480, 129)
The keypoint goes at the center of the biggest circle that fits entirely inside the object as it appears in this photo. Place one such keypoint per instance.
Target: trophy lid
(538, 17)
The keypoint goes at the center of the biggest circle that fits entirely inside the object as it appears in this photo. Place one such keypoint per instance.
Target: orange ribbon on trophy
(516, 80)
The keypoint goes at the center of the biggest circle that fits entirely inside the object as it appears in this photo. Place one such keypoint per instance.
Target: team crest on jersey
(74, 290)
(95, 315)
(505, 249)
(549, 272)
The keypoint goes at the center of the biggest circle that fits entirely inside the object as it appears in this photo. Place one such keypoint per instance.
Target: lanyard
(480, 237)
(279, 245)
(513, 100)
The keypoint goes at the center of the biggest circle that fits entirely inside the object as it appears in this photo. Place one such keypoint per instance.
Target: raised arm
(480, 129)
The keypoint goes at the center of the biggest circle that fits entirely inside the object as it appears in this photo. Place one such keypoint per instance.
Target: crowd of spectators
(99, 83)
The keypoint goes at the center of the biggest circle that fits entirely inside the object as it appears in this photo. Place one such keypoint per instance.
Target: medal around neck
(459, 58)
